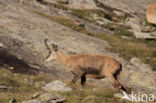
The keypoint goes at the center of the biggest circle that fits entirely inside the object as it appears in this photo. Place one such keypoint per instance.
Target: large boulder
(151, 14)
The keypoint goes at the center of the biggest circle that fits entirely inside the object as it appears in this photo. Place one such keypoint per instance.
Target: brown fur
(91, 66)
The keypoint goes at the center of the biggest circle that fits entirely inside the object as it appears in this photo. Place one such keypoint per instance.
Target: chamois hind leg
(83, 80)
(113, 81)
(123, 87)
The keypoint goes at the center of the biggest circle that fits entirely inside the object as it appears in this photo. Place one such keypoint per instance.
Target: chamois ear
(55, 47)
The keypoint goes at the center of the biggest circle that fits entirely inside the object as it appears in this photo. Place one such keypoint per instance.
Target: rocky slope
(22, 32)
(135, 6)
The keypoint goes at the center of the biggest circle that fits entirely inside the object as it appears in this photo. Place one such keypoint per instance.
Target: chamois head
(52, 51)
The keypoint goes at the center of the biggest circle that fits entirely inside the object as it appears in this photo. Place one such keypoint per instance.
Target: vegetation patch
(120, 30)
(23, 86)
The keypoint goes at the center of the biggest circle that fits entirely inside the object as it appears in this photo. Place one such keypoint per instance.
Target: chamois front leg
(76, 77)
(83, 80)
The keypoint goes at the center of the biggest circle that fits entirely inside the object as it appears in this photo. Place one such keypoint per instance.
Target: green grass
(24, 86)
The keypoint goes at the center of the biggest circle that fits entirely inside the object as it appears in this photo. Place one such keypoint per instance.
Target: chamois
(88, 66)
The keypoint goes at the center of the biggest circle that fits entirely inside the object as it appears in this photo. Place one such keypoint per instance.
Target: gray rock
(32, 101)
(103, 21)
(134, 24)
(125, 37)
(137, 62)
(133, 6)
(145, 35)
(82, 4)
(119, 13)
(56, 86)
(153, 34)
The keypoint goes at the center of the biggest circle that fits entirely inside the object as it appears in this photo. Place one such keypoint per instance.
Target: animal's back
(90, 63)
